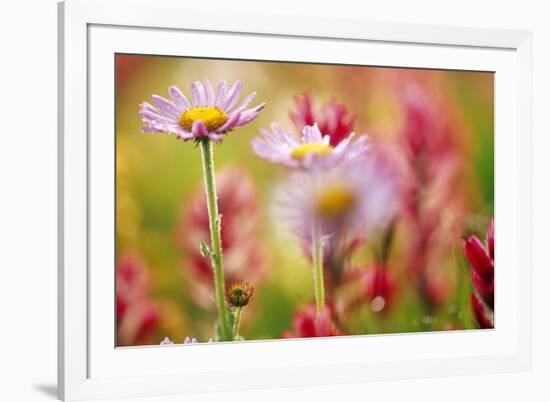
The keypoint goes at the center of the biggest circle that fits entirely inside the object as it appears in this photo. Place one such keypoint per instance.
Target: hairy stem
(317, 260)
(237, 322)
(207, 152)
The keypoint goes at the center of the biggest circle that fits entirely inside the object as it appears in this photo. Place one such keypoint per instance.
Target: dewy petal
(245, 102)
(248, 115)
(230, 123)
(179, 98)
(150, 129)
(154, 116)
(209, 91)
(165, 106)
(199, 129)
(233, 95)
(220, 94)
(199, 97)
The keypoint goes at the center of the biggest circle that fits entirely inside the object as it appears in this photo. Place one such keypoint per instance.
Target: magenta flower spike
(481, 258)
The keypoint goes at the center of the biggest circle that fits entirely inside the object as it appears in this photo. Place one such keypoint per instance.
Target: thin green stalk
(317, 260)
(237, 322)
(207, 152)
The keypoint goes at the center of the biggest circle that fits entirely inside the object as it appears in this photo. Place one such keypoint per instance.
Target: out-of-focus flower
(308, 323)
(187, 341)
(166, 341)
(239, 294)
(209, 114)
(379, 287)
(312, 149)
(481, 258)
(332, 118)
(244, 257)
(137, 314)
(346, 202)
(431, 170)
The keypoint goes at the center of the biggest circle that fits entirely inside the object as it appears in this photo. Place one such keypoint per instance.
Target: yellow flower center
(212, 116)
(335, 201)
(299, 152)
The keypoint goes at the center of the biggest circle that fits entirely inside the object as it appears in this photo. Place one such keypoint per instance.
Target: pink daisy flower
(311, 149)
(209, 114)
(346, 201)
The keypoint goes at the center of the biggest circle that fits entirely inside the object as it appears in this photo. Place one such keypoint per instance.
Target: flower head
(308, 323)
(310, 149)
(210, 113)
(346, 201)
(239, 294)
(332, 118)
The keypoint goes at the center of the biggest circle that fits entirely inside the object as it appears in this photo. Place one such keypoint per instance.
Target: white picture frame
(89, 366)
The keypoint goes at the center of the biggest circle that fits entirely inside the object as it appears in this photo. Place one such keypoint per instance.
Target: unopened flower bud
(239, 294)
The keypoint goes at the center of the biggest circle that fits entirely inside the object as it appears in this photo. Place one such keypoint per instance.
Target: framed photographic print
(245, 198)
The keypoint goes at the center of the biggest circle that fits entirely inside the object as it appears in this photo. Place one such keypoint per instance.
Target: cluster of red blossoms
(481, 257)
(136, 314)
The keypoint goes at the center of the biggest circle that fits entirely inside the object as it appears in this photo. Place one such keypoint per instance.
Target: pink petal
(221, 93)
(178, 97)
(233, 95)
(209, 91)
(199, 129)
(199, 97)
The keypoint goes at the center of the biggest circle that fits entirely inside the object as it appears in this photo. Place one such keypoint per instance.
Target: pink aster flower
(346, 201)
(209, 114)
(310, 149)
(332, 118)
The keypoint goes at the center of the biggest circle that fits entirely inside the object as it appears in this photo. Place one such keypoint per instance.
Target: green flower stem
(317, 259)
(237, 322)
(207, 152)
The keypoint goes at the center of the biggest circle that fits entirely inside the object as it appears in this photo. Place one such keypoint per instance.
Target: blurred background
(436, 127)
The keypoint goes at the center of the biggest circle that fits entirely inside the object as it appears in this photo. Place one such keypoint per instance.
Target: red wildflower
(430, 177)
(333, 118)
(137, 315)
(308, 323)
(481, 258)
